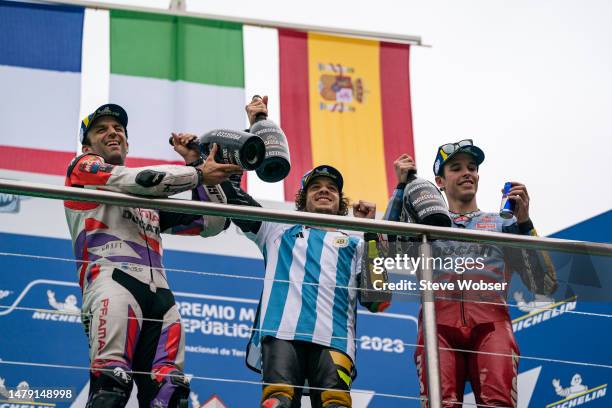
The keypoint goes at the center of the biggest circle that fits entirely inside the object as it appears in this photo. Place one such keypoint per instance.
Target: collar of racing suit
(459, 218)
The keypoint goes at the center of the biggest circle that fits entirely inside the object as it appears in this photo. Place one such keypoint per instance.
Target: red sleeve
(88, 170)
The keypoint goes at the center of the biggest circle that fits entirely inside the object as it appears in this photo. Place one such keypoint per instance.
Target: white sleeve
(91, 171)
(159, 181)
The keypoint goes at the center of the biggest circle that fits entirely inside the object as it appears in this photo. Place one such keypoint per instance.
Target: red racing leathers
(476, 321)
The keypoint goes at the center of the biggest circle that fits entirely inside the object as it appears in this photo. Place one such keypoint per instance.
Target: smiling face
(323, 196)
(460, 178)
(106, 137)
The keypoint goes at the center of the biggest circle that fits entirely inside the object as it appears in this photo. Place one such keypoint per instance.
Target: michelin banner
(44, 349)
(43, 346)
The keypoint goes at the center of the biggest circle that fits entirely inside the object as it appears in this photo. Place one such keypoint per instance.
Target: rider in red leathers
(473, 320)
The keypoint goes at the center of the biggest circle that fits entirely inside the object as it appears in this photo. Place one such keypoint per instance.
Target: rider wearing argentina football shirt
(305, 325)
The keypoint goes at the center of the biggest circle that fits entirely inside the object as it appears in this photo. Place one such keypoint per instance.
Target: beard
(325, 211)
(115, 158)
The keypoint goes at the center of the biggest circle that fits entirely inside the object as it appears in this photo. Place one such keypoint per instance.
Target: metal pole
(297, 217)
(371, 35)
(430, 331)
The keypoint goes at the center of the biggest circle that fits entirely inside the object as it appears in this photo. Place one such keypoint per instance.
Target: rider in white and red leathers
(129, 312)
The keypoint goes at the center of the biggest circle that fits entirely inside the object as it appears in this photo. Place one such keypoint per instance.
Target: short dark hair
(441, 171)
(300, 202)
(86, 141)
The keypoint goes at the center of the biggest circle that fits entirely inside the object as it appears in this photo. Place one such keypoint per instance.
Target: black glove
(237, 196)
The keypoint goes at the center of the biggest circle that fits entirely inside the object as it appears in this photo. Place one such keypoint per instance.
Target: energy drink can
(506, 209)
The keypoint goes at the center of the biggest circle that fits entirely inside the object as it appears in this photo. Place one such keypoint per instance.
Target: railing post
(430, 330)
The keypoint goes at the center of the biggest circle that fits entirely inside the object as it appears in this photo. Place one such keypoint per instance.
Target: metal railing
(314, 219)
(295, 217)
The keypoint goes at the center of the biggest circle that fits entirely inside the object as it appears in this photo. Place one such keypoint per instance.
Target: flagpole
(177, 11)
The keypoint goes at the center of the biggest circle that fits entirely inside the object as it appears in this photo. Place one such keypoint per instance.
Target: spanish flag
(345, 102)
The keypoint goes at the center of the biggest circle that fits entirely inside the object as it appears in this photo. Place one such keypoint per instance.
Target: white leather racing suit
(128, 311)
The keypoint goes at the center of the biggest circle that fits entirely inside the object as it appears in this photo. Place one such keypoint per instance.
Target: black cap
(323, 171)
(449, 150)
(109, 109)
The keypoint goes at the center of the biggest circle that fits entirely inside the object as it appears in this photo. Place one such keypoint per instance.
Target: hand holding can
(506, 209)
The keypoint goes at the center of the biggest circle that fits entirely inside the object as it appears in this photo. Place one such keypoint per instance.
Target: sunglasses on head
(450, 148)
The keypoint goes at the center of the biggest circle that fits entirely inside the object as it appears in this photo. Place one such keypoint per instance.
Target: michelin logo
(70, 312)
(21, 387)
(4, 293)
(577, 393)
(68, 305)
(539, 310)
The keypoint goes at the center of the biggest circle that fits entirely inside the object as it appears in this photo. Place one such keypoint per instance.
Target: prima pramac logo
(340, 88)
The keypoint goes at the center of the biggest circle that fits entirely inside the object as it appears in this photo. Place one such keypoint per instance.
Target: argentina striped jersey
(305, 295)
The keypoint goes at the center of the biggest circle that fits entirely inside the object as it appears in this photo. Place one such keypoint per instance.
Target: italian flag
(174, 74)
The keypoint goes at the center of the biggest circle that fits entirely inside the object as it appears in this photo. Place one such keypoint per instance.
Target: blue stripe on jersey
(312, 271)
(341, 295)
(256, 334)
(278, 295)
(41, 36)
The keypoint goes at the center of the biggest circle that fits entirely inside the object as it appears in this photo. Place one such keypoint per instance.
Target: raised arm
(188, 224)
(91, 171)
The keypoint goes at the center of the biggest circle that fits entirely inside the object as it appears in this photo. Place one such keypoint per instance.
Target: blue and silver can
(506, 209)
